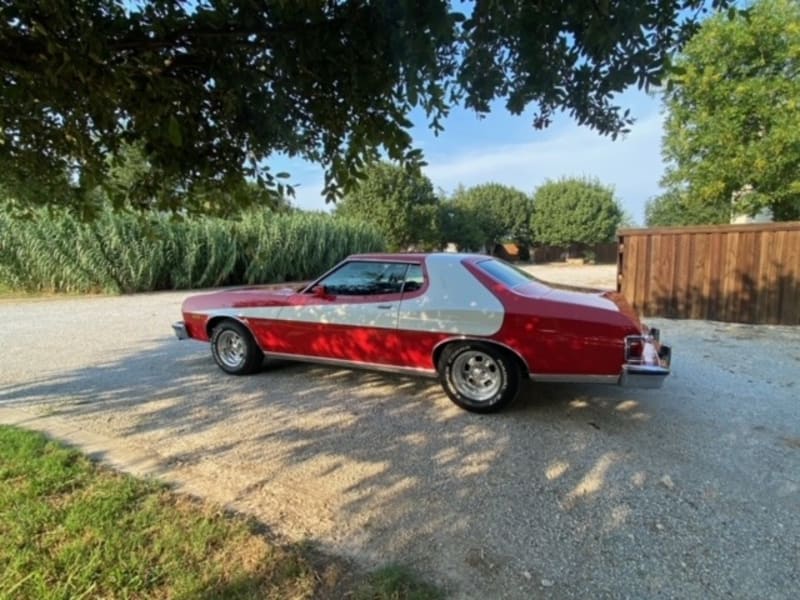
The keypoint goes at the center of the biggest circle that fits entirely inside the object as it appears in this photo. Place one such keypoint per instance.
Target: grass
(70, 529)
(394, 582)
(7, 292)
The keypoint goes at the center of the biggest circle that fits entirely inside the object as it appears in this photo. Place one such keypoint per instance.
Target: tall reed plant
(124, 253)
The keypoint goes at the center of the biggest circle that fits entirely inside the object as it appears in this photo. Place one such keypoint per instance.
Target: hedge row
(122, 253)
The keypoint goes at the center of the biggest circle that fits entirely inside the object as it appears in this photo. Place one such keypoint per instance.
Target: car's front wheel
(478, 377)
(234, 349)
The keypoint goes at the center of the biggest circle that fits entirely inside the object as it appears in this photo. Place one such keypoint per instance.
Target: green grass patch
(70, 529)
(396, 582)
(9, 293)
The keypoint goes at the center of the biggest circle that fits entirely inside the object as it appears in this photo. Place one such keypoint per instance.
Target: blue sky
(507, 149)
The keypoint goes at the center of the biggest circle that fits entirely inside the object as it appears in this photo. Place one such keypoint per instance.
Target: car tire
(478, 377)
(234, 349)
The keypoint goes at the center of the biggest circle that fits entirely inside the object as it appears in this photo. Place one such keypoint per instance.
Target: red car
(476, 322)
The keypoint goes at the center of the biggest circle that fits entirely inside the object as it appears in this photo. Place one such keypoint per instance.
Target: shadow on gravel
(385, 465)
(573, 492)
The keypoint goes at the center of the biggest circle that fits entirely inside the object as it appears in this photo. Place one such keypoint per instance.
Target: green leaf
(174, 132)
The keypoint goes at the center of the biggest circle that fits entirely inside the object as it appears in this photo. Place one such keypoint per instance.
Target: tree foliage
(733, 119)
(501, 212)
(129, 169)
(573, 210)
(212, 89)
(400, 203)
(460, 225)
(675, 207)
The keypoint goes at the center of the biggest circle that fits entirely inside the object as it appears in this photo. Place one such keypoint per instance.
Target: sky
(507, 149)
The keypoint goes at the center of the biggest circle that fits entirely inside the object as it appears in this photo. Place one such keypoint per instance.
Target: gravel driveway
(691, 491)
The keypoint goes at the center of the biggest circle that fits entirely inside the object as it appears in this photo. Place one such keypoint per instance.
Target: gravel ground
(594, 276)
(691, 491)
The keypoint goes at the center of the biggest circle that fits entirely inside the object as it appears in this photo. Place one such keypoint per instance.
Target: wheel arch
(217, 319)
(440, 347)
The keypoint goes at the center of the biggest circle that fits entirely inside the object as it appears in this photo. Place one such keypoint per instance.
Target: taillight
(641, 350)
(634, 345)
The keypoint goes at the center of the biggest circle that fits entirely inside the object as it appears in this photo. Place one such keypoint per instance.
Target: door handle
(384, 306)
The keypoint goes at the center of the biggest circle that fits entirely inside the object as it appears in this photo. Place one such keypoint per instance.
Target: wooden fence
(739, 273)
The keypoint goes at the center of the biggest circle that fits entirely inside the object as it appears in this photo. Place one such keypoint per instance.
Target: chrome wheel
(476, 375)
(234, 349)
(231, 349)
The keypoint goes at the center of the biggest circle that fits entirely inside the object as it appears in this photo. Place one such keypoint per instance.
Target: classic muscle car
(477, 323)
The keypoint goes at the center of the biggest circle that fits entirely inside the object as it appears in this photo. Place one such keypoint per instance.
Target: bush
(575, 211)
(123, 253)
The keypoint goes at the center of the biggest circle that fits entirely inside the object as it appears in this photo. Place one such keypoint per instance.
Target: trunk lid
(597, 299)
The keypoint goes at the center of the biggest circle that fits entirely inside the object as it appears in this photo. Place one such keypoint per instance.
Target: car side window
(366, 278)
(414, 278)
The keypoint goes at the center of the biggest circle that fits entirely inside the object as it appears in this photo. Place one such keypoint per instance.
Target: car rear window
(506, 273)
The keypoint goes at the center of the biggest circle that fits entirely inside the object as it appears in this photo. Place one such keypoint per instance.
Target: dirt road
(692, 491)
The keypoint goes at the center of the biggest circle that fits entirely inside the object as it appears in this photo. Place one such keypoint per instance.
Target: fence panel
(738, 273)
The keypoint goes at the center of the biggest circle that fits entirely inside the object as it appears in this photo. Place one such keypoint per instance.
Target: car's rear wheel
(478, 377)
(234, 349)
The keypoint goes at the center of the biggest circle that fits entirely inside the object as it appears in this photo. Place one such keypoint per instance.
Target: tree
(459, 225)
(500, 211)
(212, 89)
(627, 221)
(675, 208)
(400, 203)
(575, 211)
(733, 114)
(129, 170)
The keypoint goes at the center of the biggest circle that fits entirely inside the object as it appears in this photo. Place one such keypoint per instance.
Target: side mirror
(320, 291)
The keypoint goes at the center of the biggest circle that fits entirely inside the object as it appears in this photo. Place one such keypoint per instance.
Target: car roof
(414, 256)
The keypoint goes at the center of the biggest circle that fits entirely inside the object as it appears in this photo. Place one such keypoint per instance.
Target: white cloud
(631, 165)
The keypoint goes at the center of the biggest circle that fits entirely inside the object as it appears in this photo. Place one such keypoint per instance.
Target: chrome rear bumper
(180, 330)
(647, 376)
(643, 376)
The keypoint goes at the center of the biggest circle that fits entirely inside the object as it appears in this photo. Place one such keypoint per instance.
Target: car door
(349, 315)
